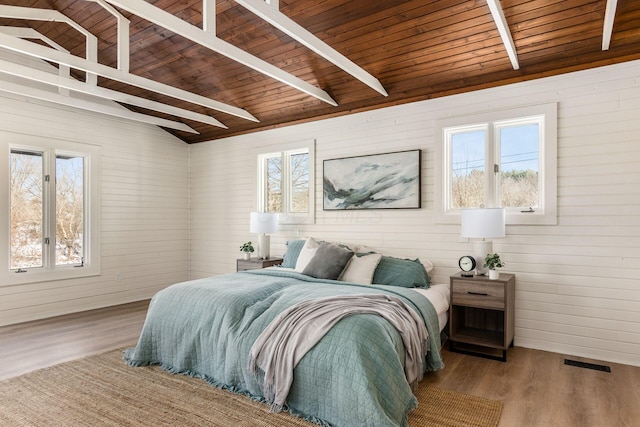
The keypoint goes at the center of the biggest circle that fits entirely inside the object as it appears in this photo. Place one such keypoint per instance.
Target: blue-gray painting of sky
(382, 181)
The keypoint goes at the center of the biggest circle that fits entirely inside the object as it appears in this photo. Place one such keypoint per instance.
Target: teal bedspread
(353, 377)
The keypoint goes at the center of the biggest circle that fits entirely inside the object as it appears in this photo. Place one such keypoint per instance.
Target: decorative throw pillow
(306, 253)
(361, 269)
(428, 265)
(401, 272)
(291, 255)
(328, 262)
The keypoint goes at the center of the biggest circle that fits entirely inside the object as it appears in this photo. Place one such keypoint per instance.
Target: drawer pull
(483, 294)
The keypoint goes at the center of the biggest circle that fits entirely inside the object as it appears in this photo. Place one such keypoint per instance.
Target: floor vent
(586, 365)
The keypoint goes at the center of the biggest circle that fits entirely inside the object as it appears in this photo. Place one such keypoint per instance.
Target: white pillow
(306, 253)
(361, 268)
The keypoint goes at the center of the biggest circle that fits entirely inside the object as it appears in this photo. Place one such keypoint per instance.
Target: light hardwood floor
(537, 389)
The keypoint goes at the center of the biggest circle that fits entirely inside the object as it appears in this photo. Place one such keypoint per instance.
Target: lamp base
(264, 242)
(480, 250)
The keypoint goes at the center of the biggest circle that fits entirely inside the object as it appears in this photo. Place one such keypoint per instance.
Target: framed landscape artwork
(377, 181)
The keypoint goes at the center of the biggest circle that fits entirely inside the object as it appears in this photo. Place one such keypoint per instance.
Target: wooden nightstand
(256, 263)
(482, 315)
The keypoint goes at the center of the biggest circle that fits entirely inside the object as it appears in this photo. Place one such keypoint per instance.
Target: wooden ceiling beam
(123, 35)
(49, 54)
(503, 29)
(111, 110)
(609, 18)
(30, 33)
(272, 15)
(172, 23)
(91, 49)
(29, 73)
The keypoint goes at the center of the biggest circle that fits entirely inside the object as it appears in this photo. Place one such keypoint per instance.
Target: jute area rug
(104, 391)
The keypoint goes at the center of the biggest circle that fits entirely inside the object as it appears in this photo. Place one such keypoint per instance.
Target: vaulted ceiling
(416, 49)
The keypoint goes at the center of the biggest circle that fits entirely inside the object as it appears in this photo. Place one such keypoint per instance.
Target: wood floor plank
(536, 387)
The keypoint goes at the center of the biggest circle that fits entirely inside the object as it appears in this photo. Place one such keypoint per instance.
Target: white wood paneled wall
(144, 211)
(577, 286)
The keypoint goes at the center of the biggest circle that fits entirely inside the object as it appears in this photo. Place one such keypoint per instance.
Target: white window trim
(91, 267)
(287, 150)
(546, 214)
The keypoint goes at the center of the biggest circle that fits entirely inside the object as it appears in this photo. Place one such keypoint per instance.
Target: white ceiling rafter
(111, 110)
(268, 10)
(30, 33)
(29, 73)
(123, 35)
(49, 54)
(609, 18)
(209, 16)
(207, 39)
(17, 12)
(503, 29)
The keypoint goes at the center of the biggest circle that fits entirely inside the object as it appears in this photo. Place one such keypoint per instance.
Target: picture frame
(375, 181)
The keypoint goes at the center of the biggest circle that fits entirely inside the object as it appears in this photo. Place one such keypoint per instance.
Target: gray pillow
(328, 262)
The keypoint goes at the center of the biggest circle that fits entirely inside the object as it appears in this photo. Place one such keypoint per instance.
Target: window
(502, 159)
(285, 184)
(52, 217)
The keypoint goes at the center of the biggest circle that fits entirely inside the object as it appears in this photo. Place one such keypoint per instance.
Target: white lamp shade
(263, 222)
(483, 223)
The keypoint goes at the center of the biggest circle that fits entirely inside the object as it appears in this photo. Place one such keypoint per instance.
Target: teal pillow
(291, 255)
(401, 272)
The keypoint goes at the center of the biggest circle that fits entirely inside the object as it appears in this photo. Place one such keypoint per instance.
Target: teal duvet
(353, 377)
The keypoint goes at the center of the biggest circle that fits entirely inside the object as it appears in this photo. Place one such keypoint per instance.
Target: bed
(354, 376)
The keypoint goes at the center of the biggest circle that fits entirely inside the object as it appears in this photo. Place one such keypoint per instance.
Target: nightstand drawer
(256, 263)
(478, 294)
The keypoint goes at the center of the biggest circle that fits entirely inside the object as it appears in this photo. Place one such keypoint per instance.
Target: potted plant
(493, 261)
(247, 249)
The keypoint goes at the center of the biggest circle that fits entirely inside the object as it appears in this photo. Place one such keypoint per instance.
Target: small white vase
(247, 255)
(494, 274)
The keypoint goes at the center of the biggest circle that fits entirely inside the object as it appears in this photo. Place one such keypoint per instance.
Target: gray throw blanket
(295, 331)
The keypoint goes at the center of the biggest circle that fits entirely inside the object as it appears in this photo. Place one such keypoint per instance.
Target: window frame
(286, 151)
(546, 214)
(50, 149)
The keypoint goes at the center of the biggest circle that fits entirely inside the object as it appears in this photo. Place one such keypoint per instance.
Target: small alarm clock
(467, 263)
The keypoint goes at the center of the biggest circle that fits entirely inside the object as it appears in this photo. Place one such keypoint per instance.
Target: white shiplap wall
(144, 210)
(577, 288)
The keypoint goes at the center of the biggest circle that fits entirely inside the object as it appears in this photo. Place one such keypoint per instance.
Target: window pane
(299, 183)
(274, 184)
(69, 210)
(467, 169)
(26, 209)
(519, 166)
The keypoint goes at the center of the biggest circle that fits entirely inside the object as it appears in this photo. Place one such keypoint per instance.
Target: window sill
(32, 276)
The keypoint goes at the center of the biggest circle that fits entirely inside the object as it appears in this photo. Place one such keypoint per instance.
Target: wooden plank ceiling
(417, 49)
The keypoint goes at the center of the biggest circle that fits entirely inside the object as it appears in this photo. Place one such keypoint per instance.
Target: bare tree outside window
(467, 171)
(69, 210)
(274, 184)
(285, 184)
(300, 182)
(518, 164)
(26, 209)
